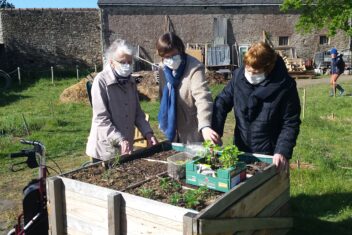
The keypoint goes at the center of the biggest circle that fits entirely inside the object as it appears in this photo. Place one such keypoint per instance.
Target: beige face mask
(254, 78)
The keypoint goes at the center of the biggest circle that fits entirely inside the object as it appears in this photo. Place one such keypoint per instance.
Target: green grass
(321, 197)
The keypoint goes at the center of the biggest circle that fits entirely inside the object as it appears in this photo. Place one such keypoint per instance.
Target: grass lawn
(321, 197)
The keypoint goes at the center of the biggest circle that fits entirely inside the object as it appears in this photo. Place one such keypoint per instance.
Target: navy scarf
(167, 112)
(277, 80)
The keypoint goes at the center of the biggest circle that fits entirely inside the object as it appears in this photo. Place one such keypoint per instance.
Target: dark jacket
(267, 115)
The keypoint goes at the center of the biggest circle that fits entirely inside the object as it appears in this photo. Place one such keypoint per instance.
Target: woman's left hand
(210, 134)
(151, 139)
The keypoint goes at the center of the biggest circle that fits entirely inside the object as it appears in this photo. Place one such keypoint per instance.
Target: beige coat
(116, 112)
(194, 102)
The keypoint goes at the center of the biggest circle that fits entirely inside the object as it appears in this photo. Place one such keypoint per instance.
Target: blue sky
(54, 3)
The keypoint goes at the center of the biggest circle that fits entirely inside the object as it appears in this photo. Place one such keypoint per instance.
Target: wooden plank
(114, 210)
(84, 227)
(189, 224)
(129, 201)
(133, 216)
(85, 208)
(215, 226)
(258, 199)
(271, 209)
(55, 206)
(237, 193)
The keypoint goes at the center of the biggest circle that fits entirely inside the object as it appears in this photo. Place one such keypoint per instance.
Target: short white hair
(118, 45)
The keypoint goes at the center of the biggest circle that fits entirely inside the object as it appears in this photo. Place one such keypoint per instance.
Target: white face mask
(124, 70)
(173, 62)
(254, 78)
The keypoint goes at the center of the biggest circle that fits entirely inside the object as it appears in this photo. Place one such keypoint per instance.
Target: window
(283, 41)
(323, 40)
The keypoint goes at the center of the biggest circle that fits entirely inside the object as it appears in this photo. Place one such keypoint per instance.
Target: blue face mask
(173, 62)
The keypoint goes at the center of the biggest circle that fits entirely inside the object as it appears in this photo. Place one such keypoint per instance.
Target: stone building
(141, 22)
(39, 38)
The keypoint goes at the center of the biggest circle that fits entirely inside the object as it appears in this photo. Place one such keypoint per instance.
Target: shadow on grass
(307, 211)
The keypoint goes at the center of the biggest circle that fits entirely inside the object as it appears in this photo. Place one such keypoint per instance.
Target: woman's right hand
(126, 147)
(210, 134)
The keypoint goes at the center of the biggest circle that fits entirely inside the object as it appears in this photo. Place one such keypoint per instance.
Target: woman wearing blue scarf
(186, 102)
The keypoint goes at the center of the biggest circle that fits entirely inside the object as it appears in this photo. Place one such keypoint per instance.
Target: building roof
(189, 3)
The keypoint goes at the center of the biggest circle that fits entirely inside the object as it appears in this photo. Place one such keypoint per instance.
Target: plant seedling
(175, 198)
(146, 192)
(229, 156)
(190, 198)
(164, 184)
(210, 153)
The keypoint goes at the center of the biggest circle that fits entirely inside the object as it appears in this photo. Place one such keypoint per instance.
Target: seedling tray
(224, 180)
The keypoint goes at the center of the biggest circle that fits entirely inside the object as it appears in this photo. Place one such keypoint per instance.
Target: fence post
(52, 74)
(77, 72)
(304, 103)
(19, 75)
(95, 68)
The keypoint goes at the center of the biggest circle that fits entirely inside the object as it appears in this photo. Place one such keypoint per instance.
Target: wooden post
(77, 70)
(304, 103)
(25, 124)
(52, 74)
(114, 211)
(55, 206)
(19, 75)
(189, 224)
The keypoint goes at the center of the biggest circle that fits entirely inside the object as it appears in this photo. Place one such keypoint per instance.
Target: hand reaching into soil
(151, 139)
(126, 147)
(281, 162)
(210, 134)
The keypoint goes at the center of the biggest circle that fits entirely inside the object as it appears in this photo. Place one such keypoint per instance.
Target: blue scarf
(167, 112)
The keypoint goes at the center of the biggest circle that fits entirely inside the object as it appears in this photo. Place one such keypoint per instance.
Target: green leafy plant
(229, 156)
(175, 198)
(210, 151)
(146, 192)
(191, 199)
(106, 174)
(176, 185)
(201, 192)
(116, 161)
(164, 184)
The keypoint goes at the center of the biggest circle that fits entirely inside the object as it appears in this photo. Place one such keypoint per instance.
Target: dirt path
(309, 82)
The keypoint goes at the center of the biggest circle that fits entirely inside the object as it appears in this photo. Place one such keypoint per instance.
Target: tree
(5, 4)
(332, 15)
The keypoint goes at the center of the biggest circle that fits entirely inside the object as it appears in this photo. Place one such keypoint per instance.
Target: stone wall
(38, 38)
(143, 25)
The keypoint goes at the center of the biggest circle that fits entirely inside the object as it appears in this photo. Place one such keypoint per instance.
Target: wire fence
(52, 72)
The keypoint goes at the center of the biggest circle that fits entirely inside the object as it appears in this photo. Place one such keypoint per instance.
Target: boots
(341, 90)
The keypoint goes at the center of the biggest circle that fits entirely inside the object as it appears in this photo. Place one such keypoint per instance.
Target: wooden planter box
(255, 206)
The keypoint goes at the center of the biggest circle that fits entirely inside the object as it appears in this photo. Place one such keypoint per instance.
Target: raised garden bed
(131, 207)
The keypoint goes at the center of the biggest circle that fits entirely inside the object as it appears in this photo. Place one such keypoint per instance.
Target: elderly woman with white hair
(116, 107)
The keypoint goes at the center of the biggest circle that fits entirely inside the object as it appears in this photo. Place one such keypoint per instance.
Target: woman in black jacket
(266, 106)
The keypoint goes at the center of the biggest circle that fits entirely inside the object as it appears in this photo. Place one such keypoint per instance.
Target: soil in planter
(256, 167)
(120, 176)
(170, 191)
(124, 175)
(162, 156)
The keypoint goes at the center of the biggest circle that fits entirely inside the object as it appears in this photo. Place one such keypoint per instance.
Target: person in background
(265, 103)
(116, 107)
(335, 73)
(186, 102)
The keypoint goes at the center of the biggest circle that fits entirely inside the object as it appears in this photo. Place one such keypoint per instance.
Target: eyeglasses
(123, 62)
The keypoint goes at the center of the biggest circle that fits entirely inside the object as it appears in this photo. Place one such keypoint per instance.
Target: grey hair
(117, 45)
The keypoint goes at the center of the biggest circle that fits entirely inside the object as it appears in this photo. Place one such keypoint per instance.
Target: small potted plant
(218, 168)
